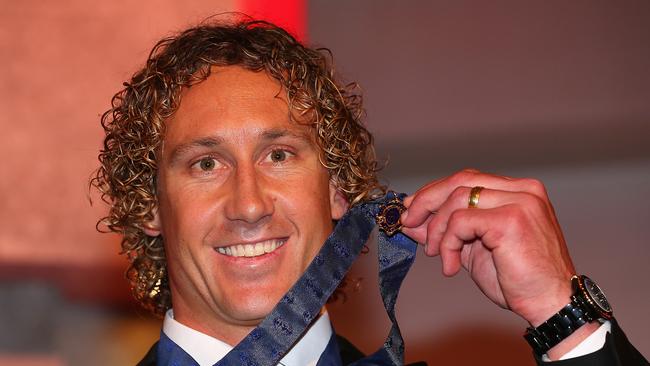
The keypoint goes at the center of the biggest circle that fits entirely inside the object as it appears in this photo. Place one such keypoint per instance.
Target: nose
(249, 200)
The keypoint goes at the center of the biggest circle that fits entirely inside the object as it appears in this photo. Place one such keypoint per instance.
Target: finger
(435, 231)
(418, 234)
(430, 198)
(464, 227)
(458, 200)
(450, 254)
(408, 199)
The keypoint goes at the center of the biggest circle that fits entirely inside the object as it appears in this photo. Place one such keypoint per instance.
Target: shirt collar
(207, 350)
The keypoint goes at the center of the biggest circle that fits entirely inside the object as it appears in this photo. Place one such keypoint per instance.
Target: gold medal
(388, 217)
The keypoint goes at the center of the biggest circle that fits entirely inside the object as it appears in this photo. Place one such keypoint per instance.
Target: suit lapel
(331, 356)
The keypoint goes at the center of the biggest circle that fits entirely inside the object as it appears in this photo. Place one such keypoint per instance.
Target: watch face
(597, 295)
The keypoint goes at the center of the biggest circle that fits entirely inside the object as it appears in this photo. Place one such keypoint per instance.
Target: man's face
(244, 203)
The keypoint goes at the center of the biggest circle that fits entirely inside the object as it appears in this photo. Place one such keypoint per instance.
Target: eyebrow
(276, 133)
(204, 142)
(214, 141)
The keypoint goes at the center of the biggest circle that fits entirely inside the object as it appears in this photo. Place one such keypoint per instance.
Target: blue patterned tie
(271, 340)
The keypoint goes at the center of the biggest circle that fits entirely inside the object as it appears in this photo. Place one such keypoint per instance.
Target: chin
(253, 306)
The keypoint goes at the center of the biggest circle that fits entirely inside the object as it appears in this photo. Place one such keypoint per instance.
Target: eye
(278, 155)
(206, 164)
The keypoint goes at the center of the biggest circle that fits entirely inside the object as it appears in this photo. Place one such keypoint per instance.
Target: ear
(152, 228)
(338, 203)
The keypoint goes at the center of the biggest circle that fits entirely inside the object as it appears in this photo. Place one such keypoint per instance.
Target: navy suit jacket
(339, 351)
(617, 351)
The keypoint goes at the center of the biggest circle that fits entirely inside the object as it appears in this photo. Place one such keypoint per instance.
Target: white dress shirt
(591, 344)
(207, 350)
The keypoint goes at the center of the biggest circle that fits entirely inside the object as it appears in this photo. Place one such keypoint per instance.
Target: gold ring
(474, 195)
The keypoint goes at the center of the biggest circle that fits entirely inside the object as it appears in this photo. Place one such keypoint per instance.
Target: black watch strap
(556, 328)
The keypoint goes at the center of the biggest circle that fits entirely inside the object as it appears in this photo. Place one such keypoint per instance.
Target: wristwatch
(588, 304)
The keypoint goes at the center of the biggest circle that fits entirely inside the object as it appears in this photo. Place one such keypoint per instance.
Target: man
(231, 154)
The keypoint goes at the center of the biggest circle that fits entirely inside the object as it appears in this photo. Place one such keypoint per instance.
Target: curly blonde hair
(135, 125)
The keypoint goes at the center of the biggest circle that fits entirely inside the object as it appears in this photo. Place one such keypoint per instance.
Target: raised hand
(510, 243)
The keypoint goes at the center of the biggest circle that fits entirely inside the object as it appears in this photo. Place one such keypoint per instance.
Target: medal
(389, 214)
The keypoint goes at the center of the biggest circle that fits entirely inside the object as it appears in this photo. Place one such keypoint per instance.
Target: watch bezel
(582, 291)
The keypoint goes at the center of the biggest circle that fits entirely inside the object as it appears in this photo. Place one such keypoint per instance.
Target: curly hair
(135, 126)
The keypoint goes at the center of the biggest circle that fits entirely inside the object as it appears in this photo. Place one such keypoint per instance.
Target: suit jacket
(617, 351)
(337, 345)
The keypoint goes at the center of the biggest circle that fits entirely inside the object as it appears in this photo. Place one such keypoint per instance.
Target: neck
(209, 323)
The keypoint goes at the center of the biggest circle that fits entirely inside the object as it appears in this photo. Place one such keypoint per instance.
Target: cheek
(309, 207)
(186, 213)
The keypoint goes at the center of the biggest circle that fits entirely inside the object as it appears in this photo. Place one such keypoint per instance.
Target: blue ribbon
(279, 331)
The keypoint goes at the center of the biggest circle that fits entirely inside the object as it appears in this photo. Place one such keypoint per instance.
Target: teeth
(248, 249)
(251, 250)
(258, 249)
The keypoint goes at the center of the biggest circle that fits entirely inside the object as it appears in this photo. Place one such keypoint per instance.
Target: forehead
(233, 101)
(230, 90)
(232, 85)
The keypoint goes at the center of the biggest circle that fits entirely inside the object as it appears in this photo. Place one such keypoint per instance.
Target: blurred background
(555, 90)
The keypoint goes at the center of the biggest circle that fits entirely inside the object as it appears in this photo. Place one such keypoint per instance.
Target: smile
(252, 249)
